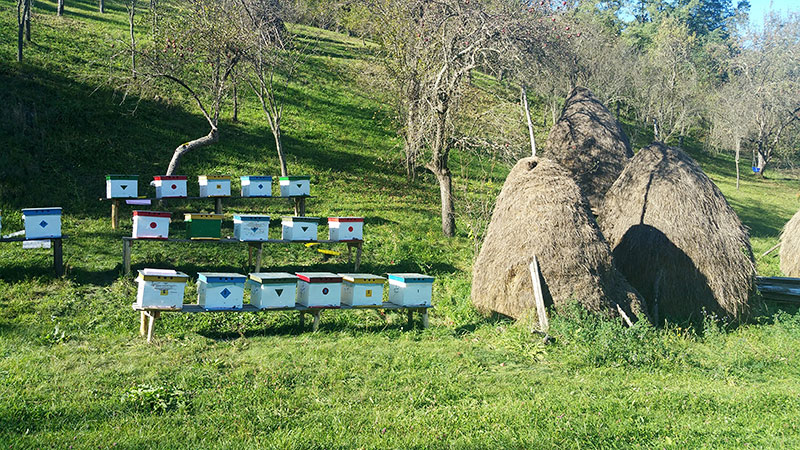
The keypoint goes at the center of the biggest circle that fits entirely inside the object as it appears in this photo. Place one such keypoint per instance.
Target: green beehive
(203, 226)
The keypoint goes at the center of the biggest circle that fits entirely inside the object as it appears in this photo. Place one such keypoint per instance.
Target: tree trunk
(210, 138)
(131, 16)
(60, 8)
(410, 147)
(762, 164)
(276, 133)
(738, 151)
(524, 101)
(445, 179)
(21, 24)
(235, 103)
(102, 7)
(28, 22)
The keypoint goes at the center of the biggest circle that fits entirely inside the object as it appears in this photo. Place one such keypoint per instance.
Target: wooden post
(58, 257)
(358, 255)
(218, 205)
(410, 313)
(425, 318)
(114, 214)
(302, 320)
(153, 315)
(126, 256)
(316, 314)
(300, 207)
(259, 255)
(142, 323)
(538, 297)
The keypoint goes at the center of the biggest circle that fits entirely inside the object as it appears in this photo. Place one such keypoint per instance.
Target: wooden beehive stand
(58, 251)
(148, 316)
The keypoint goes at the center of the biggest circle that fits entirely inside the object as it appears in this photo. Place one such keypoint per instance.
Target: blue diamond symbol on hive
(225, 293)
(43, 224)
(261, 186)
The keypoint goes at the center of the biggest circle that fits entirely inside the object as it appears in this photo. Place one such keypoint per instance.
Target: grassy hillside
(74, 372)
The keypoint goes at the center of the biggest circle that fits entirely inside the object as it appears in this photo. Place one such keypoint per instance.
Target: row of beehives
(250, 227)
(40, 223)
(164, 289)
(175, 186)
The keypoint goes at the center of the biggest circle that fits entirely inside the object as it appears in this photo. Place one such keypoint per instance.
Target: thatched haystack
(676, 239)
(540, 211)
(790, 247)
(588, 141)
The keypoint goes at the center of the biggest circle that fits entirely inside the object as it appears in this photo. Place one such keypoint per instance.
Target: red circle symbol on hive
(325, 291)
(153, 225)
(350, 229)
(174, 186)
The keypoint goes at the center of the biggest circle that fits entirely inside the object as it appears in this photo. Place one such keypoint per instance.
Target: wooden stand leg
(142, 323)
(358, 256)
(218, 205)
(410, 318)
(259, 255)
(58, 257)
(249, 256)
(126, 256)
(114, 214)
(300, 207)
(424, 318)
(302, 320)
(153, 315)
(316, 315)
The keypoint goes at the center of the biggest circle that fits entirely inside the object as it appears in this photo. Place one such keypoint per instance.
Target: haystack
(790, 247)
(541, 212)
(676, 239)
(588, 141)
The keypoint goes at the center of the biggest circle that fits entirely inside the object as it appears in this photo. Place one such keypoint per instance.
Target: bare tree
(23, 17)
(60, 8)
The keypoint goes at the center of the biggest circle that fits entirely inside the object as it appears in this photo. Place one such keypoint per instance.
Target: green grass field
(74, 372)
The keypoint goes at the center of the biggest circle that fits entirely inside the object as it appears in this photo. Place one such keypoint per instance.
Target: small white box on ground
(252, 227)
(299, 228)
(151, 224)
(270, 290)
(214, 185)
(319, 289)
(345, 228)
(362, 289)
(170, 186)
(410, 289)
(220, 290)
(122, 186)
(256, 186)
(295, 186)
(41, 223)
(161, 289)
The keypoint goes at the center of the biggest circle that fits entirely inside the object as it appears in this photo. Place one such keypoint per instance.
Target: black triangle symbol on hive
(279, 291)
(123, 186)
(299, 185)
(304, 228)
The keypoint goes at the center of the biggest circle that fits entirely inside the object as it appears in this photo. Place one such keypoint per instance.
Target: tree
(23, 21)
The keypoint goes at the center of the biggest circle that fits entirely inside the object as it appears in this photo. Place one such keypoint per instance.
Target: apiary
(251, 227)
(362, 289)
(41, 223)
(203, 226)
(319, 289)
(170, 186)
(299, 228)
(160, 289)
(295, 186)
(122, 186)
(345, 228)
(220, 290)
(410, 289)
(256, 186)
(151, 224)
(272, 289)
(215, 185)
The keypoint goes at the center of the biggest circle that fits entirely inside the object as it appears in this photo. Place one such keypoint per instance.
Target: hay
(588, 141)
(541, 212)
(790, 247)
(676, 239)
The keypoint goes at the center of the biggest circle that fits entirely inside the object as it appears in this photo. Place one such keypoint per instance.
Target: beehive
(410, 289)
(170, 186)
(295, 186)
(203, 226)
(299, 228)
(256, 186)
(345, 228)
(215, 185)
(362, 289)
(42, 223)
(122, 186)
(319, 289)
(220, 290)
(151, 224)
(160, 289)
(251, 227)
(269, 290)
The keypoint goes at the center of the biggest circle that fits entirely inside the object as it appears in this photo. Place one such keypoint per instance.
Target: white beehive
(299, 228)
(269, 290)
(251, 227)
(319, 289)
(122, 186)
(362, 289)
(345, 228)
(220, 290)
(151, 224)
(41, 223)
(256, 186)
(410, 289)
(215, 185)
(170, 186)
(295, 186)
(161, 289)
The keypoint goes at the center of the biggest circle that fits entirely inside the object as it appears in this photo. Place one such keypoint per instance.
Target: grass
(74, 372)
